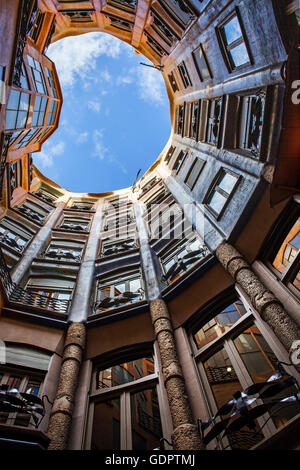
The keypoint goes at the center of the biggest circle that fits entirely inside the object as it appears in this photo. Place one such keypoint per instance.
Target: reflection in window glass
(232, 30)
(289, 248)
(224, 384)
(260, 362)
(124, 373)
(106, 426)
(219, 324)
(145, 420)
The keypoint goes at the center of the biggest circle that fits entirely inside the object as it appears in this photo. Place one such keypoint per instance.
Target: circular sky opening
(115, 116)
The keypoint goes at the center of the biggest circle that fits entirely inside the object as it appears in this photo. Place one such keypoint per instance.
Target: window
(139, 428)
(194, 119)
(126, 5)
(12, 235)
(173, 82)
(250, 112)
(79, 16)
(115, 246)
(181, 11)
(37, 25)
(201, 63)
(52, 113)
(37, 76)
(45, 196)
(16, 380)
(2, 85)
(194, 172)
(33, 211)
(230, 350)
(23, 372)
(51, 82)
(163, 30)
(166, 219)
(53, 293)
(169, 154)
(26, 138)
(184, 75)
(182, 256)
(75, 223)
(233, 43)
(82, 205)
(38, 116)
(285, 261)
(179, 119)
(23, 78)
(41, 135)
(221, 191)
(214, 121)
(179, 161)
(118, 290)
(15, 175)
(64, 250)
(17, 110)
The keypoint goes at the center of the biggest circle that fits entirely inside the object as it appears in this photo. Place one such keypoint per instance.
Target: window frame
(214, 187)
(225, 48)
(203, 162)
(249, 319)
(197, 65)
(184, 74)
(124, 391)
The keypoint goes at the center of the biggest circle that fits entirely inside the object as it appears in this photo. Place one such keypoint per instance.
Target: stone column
(264, 301)
(80, 305)
(185, 435)
(37, 243)
(61, 414)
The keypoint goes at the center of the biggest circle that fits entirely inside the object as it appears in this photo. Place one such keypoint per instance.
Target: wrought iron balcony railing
(18, 294)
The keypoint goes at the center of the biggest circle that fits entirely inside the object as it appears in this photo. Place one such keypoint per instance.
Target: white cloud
(106, 75)
(45, 157)
(124, 80)
(75, 56)
(94, 106)
(58, 149)
(100, 150)
(151, 85)
(82, 137)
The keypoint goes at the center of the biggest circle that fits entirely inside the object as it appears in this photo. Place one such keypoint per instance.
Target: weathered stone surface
(180, 409)
(186, 437)
(172, 370)
(264, 301)
(61, 415)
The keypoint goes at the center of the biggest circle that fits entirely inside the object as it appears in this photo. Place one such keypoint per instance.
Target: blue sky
(115, 116)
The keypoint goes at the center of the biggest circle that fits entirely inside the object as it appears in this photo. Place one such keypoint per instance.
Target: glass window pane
(145, 420)
(13, 101)
(124, 373)
(239, 55)
(22, 118)
(24, 102)
(232, 30)
(219, 324)
(288, 249)
(11, 117)
(227, 183)
(217, 202)
(224, 384)
(106, 426)
(296, 281)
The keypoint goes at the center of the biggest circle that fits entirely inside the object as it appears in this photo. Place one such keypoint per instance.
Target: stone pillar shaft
(185, 435)
(61, 414)
(264, 301)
